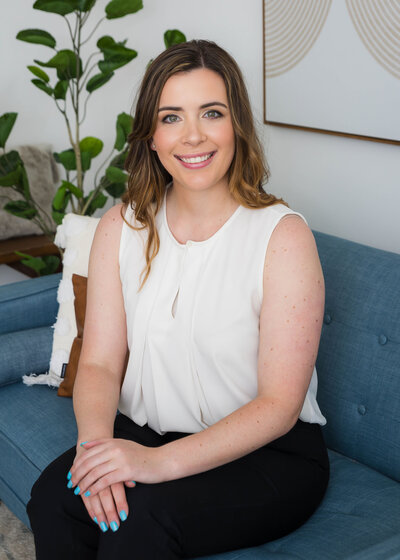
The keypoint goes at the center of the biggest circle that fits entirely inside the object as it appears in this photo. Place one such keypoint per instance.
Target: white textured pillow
(75, 235)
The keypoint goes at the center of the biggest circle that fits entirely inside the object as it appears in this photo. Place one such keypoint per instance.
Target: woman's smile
(196, 161)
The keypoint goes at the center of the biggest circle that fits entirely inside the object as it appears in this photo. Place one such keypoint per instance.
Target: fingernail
(95, 520)
(123, 515)
(77, 490)
(133, 481)
(69, 485)
(83, 443)
(114, 526)
(69, 475)
(87, 494)
(103, 526)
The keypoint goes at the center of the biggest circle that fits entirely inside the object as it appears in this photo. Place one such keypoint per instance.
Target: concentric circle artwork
(291, 29)
(378, 24)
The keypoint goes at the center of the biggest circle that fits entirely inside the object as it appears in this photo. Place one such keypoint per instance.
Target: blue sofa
(359, 393)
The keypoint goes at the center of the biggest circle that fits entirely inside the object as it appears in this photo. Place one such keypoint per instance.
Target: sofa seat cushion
(36, 426)
(359, 519)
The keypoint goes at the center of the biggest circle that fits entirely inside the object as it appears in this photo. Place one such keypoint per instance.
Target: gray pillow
(43, 176)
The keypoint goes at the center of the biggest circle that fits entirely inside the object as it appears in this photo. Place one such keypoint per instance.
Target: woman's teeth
(198, 159)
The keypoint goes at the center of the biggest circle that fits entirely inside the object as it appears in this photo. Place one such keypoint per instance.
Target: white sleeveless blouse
(193, 329)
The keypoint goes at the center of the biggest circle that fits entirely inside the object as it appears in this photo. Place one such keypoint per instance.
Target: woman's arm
(290, 327)
(104, 348)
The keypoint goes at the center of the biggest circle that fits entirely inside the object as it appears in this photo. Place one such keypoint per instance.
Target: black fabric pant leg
(252, 500)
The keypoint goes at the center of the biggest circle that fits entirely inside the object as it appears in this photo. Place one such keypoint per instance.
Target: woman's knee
(48, 490)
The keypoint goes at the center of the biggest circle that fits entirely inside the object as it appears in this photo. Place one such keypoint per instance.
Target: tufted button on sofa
(358, 368)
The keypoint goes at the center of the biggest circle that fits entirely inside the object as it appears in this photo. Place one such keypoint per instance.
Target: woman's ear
(152, 145)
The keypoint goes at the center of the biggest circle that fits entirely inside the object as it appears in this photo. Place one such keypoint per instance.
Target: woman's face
(194, 137)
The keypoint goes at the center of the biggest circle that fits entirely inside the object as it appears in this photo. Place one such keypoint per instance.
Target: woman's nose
(193, 132)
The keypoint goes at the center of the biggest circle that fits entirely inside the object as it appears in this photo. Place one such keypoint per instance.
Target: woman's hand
(110, 506)
(109, 461)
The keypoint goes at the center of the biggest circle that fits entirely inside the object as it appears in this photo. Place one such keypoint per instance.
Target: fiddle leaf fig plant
(69, 76)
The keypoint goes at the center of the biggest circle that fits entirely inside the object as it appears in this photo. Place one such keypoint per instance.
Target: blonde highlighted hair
(147, 176)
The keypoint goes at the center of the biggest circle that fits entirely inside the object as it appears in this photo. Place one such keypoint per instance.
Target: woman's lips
(199, 164)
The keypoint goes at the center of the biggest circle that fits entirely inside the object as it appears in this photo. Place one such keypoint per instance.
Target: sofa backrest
(358, 361)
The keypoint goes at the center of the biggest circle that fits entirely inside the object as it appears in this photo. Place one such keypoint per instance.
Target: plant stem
(76, 144)
(92, 32)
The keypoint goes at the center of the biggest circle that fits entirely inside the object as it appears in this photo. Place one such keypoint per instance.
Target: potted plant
(78, 75)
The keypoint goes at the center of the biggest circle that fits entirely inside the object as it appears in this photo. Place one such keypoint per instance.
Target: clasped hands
(102, 467)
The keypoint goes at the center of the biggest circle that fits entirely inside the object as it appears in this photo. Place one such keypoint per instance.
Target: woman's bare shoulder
(108, 232)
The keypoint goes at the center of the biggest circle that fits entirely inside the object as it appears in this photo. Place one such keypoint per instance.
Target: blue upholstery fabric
(36, 426)
(29, 304)
(359, 519)
(359, 355)
(24, 352)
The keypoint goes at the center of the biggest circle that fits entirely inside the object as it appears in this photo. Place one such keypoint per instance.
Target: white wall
(346, 187)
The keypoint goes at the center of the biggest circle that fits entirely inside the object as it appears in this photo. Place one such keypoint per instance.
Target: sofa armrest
(24, 352)
(29, 304)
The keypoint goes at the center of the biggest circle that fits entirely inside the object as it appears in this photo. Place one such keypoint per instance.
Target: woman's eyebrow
(211, 104)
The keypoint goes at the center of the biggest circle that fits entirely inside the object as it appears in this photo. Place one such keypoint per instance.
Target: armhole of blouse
(278, 217)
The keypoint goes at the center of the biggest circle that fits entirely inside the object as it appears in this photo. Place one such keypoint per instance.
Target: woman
(212, 292)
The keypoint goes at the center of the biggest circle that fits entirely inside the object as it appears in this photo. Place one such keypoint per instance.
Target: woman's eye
(170, 119)
(213, 114)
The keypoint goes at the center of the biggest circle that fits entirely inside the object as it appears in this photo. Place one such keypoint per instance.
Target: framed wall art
(333, 66)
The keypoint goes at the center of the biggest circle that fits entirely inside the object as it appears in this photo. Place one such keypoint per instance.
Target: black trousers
(252, 500)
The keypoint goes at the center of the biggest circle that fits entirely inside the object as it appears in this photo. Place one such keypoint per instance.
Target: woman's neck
(197, 215)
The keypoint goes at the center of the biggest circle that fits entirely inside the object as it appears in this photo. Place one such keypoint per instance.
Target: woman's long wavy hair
(147, 176)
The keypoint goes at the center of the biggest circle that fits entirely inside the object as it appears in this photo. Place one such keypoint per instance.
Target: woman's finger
(121, 504)
(108, 504)
(96, 511)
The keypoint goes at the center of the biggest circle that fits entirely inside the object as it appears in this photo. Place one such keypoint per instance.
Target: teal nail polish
(103, 526)
(133, 481)
(69, 475)
(114, 526)
(69, 485)
(123, 515)
(95, 520)
(77, 490)
(87, 494)
(83, 443)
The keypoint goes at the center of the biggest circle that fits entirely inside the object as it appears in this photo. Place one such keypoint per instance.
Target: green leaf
(173, 37)
(98, 80)
(48, 264)
(58, 216)
(66, 158)
(116, 190)
(37, 36)
(59, 198)
(86, 160)
(60, 89)
(121, 8)
(73, 189)
(21, 209)
(61, 7)
(36, 263)
(66, 63)
(98, 202)
(7, 122)
(52, 262)
(116, 175)
(85, 5)
(115, 54)
(124, 127)
(91, 145)
(42, 85)
(11, 178)
(39, 73)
